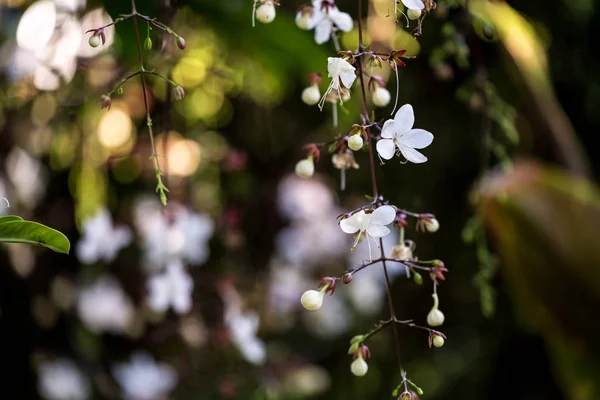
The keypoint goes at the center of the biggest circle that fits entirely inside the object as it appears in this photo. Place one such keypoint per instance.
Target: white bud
(303, 20)
(265, 13)
(359, 367)
(355, 142)
(305, 168)
(432, 225)
(312, 300)
(94, 40)
(435, 318)
(381, 97)
(311, 95)
(438, 341)
(413, 14)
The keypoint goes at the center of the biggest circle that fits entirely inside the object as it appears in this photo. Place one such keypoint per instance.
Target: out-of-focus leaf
(19, 231)
(547, 226)
(10, 218)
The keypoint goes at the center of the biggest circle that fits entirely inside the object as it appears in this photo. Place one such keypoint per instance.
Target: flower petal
(348, 225)
(342, 20)
(416, 138)
(386, 148)
(348, 79)
(388, 131)
(378, 231)
(412, 155)
(414, 4)
(323, 31)
(383, 215)
(404, 119)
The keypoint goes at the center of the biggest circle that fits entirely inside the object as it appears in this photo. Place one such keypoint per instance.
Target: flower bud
(359, 366)
(402, 252)
(438, 341)
(381, 96)
(180, 42)
(413, 14)
(347, 278)
(148, 43)
(435, 316)
(105, 101)
(355, 142)
(265, 13)
(120, 90)
(303, 20)
(432, 225)
(312, 300)
(305, 168)
(417, 278)
(311, 95)
(94, 40)
(178, 93)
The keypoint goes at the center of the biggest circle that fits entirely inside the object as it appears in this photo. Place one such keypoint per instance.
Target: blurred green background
(505, 81)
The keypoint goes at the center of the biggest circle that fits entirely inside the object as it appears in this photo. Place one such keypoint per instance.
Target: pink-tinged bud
(180, 42)
(347, 278)
(178, 93)
(105, 101)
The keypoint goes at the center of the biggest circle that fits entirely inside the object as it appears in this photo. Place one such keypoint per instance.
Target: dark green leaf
(19, 231)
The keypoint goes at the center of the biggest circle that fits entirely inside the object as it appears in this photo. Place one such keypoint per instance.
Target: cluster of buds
(98, 37)
(312, 300)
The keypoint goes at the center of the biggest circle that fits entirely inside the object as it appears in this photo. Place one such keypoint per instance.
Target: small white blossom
(327, 18)
(101, 241)
(243, 328)
(172, 288)
(398, 133)
(342, 73)
(373, 224)
(144, 379)
(105, 307)
(62, 380)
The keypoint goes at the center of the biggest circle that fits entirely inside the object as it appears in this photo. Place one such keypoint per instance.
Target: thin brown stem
(361, 48)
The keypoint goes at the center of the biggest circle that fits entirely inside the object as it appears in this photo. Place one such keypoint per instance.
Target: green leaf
(545, 223)
(10, 218)
(19, 231)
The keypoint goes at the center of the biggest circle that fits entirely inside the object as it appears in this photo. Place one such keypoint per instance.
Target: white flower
(172, 288)
(359, 366)
(184, 236)
(417, 5)
(101, 241)
(144, 379)
(104, 307)
(243, 328)
(373, 224)
(326, 16)
(341, 73)
(398, 133)
(61, 380)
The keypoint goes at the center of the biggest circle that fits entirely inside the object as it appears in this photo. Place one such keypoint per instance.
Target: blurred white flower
(92, 20)
(326, 19)
(184, 236)
(105, 307)
(243, 326)
(62, 380)
(28, 176)
(101, 241)
(144, 379)
(301, 199)
(171, 288)
(4, 202)
(286, 284)
(332, 319)
(398, 133)
(70, 5)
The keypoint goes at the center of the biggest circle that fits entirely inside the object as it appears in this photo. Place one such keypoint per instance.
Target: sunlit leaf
(10, 218)
(19, 231)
